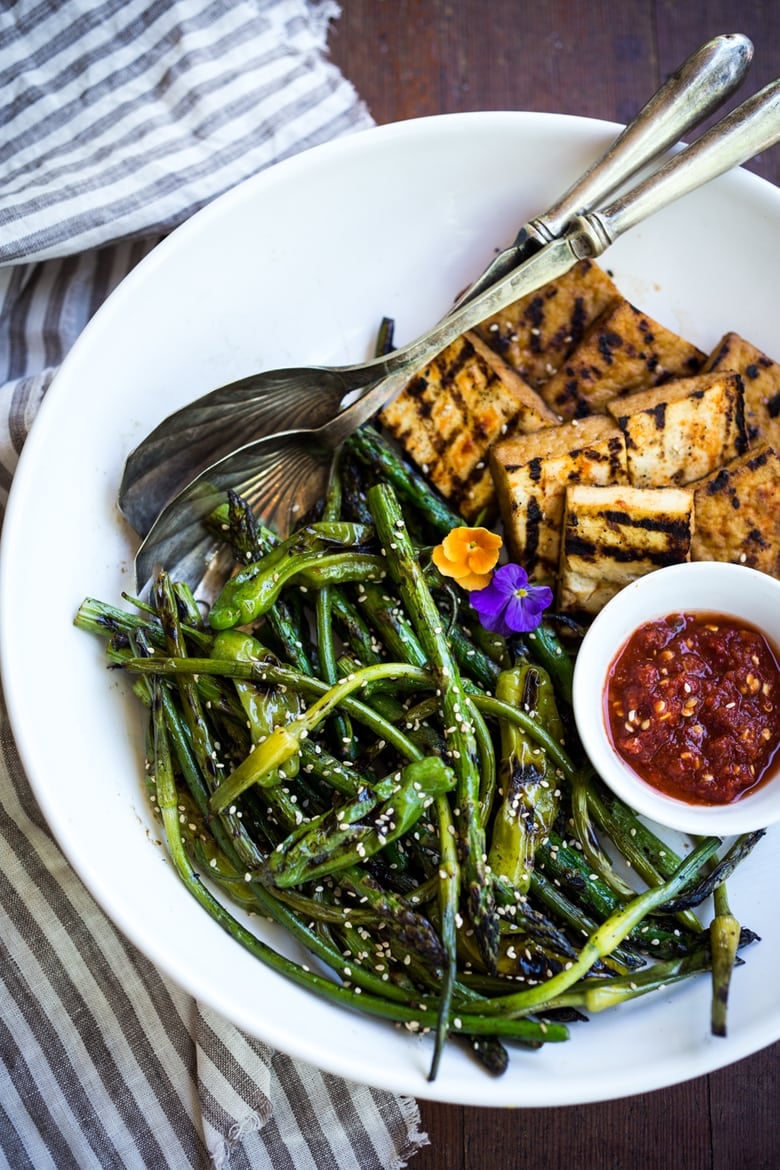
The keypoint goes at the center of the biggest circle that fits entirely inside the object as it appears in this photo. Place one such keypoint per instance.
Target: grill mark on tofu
(615, 455)
(531, 474)
(659, 415)
(535, 318)
(449, 387)
(740, 420)
(717, 484)
(675, 529)
(608, 342)
(570, 335)
(683, 430)
(470, 487)
(621, 351)
(738, 512)
(451, 412)
(533, 524)
(661, 524)
(761, 377)
(592, 552)
(761, 458)
(459, 356)
(614, 534)
(417, 387)
(756, 538)
(537, 333)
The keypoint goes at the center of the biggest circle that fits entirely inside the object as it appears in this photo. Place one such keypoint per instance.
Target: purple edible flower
(509, 604)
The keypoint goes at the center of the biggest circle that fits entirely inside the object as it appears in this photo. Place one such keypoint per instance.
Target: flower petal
(510, 604)
(456, 543)
(508, 578)
(525, 613)
(461, 542)
(446, 566)
(477, 581)
(489, 602)
(482, 560)
(519, 616)
(494, 622)
(488, 539)
(540, 597)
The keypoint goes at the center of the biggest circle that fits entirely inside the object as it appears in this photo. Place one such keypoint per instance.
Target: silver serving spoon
(205, 430)
(283, 475)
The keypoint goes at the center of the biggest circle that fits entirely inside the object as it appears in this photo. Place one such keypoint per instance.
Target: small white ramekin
(703, 586)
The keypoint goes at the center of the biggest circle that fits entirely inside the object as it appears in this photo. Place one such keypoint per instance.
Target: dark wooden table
(409, 58)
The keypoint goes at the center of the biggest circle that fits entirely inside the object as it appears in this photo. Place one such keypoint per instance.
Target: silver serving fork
(204, 431)
(283, 475)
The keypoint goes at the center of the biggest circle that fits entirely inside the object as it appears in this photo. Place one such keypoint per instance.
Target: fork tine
(199, 435)
(280, 491)
(280, 476)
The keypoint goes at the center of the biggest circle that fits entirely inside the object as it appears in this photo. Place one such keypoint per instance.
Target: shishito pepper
(527, 777)
(265, 708)
(320, 554)
(724, 943)
(354, 831)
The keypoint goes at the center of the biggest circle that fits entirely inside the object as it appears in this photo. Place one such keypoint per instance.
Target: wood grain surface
(409, 58)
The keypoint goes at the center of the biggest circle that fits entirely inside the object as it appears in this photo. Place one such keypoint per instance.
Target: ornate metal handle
(750, 128)
(700, 85)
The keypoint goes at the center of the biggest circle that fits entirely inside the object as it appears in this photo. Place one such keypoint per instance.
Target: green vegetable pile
(339, 746)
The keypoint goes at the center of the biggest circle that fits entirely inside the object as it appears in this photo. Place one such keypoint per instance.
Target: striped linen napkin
(120, 119)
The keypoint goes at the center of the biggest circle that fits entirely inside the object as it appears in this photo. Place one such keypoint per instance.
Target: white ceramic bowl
(299, 265)
(700, 587)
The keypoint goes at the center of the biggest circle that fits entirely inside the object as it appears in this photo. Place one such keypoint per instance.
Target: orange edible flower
(468, 555)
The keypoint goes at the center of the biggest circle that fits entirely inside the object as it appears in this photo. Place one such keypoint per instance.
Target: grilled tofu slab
(761, 379)
(449, 415)
(538, 332)
(683, 430)
(612, 535)
(609, 444)
(622, 351)
(532, 473)
(738, 512)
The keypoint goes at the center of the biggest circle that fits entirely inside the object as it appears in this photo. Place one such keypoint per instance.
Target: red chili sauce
(692, 704)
